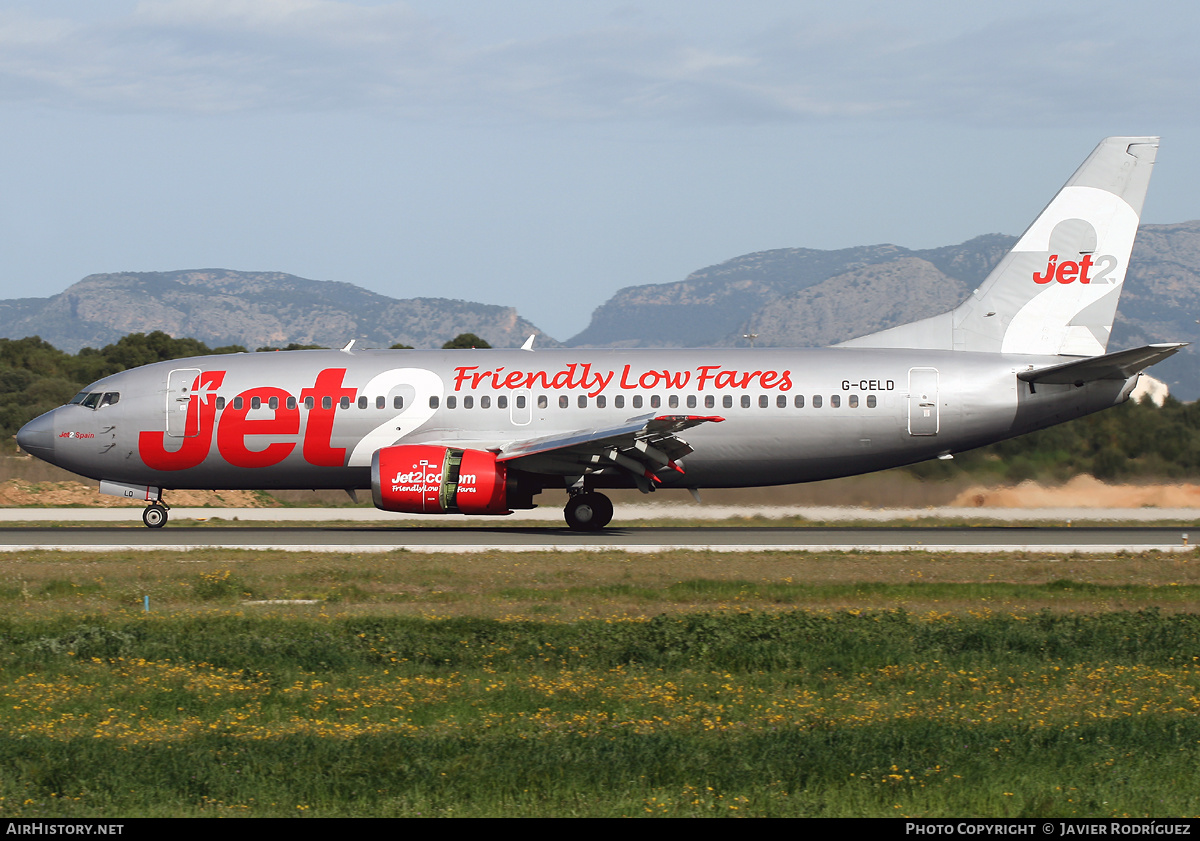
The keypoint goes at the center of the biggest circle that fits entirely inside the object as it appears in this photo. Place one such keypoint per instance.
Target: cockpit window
(95, 399)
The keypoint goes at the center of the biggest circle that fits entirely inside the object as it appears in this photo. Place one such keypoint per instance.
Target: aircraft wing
(640, 447)
(1111, 366)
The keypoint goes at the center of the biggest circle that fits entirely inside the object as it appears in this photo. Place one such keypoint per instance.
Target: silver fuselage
(312, 419)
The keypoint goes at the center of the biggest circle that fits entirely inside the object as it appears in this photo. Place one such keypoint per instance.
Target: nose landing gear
(588, 511)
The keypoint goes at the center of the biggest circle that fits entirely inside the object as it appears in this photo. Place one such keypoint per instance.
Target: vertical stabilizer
(1056, 292)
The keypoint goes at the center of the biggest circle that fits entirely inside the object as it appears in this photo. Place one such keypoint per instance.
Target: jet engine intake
(429, 479)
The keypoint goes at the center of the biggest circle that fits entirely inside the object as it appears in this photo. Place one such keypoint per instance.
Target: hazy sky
(543, 155)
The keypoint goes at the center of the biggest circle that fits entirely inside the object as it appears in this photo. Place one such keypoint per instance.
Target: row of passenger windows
(637, 401)
(600, 401)
(310, 403)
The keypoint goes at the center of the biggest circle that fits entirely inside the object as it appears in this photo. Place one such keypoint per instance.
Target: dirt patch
(17, 492)
(1080, 492)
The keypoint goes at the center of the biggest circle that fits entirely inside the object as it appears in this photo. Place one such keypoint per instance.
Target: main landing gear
(588, 511)
(154, 515)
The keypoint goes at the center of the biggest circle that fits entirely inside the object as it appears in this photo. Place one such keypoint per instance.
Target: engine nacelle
(428, 479)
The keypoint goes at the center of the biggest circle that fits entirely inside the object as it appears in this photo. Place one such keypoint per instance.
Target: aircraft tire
(588, 511)
(604, 510)
(154, 516)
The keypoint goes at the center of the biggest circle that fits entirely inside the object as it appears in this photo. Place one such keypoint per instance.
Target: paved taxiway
(370, 530)
(374, 538)
(623, 514)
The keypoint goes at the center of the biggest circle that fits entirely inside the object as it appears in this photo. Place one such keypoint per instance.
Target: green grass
(580, 585)
(751, 713)
(599, 683)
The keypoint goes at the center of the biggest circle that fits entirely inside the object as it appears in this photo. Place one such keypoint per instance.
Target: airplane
(482, 432)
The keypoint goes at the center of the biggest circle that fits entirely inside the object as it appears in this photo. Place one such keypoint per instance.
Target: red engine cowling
(427, 479)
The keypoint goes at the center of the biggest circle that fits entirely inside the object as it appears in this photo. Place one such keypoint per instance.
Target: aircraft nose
(37, 436)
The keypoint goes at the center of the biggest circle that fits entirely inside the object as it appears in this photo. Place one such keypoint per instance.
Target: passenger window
(326, 402)
(345, 402)
(853, 401)
(308, 403)
(745, 401)
(502, 402)
(870, 401)
(583, 401)
(220, 403)
(542, 401)
(291, 402)
(381, 402)
(691, 401)
(255, 403)
(619, 401)
(763, 401)
(397, 402)
(451, 402)
(238, 403)
(637, 401)
(562, 401)
(655, 401)
(727, 401)
(781, 402)
(362, 402)
(816, 401)
(799, 401)
(485, 402)
(709, 401)
(673, 401)
(601, 401)
(273, 402)
(434, 401)
(835, 400)
(468, 402)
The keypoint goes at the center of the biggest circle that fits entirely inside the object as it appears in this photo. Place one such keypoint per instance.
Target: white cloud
(314, 21)
(319, 55)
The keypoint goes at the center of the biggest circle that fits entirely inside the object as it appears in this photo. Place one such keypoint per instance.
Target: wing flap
(640, 447)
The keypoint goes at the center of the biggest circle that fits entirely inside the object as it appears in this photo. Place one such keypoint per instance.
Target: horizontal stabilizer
(1112, 366)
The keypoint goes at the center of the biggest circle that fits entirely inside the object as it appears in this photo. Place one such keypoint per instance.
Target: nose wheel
(155, 515)
(589, 511)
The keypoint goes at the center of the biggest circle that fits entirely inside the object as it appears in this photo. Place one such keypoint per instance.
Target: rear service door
(922, 401)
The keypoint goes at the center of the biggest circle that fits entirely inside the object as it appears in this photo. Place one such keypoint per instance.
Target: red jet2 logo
(1069, 271)
(235, 427)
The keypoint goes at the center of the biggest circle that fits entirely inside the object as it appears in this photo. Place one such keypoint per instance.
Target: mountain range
(799, 297)
(792, 297)
(253, 309)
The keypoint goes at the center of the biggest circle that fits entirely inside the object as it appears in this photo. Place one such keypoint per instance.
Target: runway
(624, 514)
(454, 539)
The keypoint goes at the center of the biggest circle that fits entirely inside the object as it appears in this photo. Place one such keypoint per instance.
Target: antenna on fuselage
(529, 342)
(349, 345)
